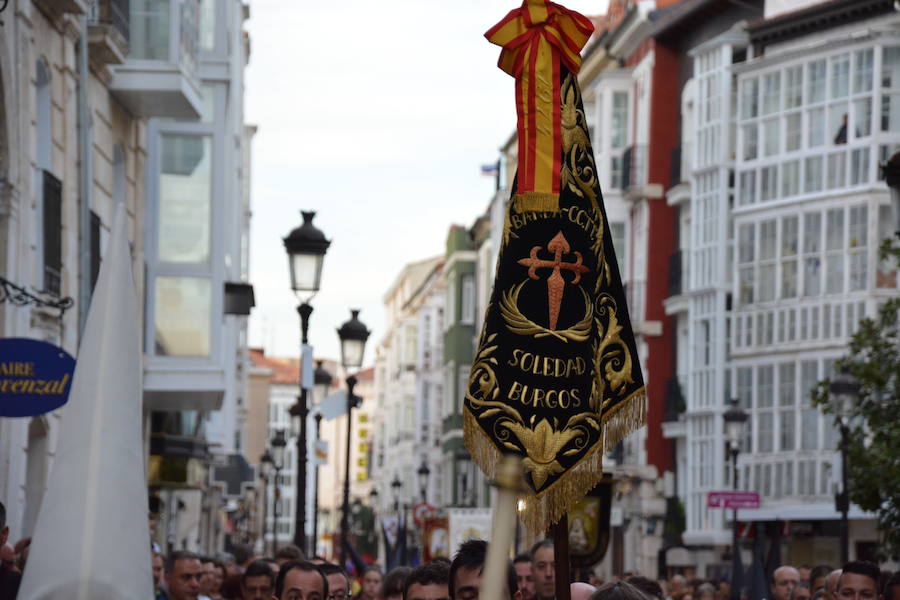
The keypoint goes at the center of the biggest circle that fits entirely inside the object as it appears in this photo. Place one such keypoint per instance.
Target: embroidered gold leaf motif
(542, 445)
(522, 325)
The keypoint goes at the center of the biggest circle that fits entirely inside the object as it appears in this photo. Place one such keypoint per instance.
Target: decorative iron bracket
(18, 296)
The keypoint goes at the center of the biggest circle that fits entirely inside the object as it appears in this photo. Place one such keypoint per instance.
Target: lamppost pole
(353, 335)
(345, 504)
(844, 390)
(322, 383)
(279, 443)
(265, 471)
(302, 413)
(315, 532)
(306, 247)
(734, 418)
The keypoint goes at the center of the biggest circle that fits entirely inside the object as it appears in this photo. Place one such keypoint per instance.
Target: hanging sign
(35, 377)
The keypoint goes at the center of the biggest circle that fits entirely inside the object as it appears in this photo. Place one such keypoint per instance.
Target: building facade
(108, 103)
(783, 210)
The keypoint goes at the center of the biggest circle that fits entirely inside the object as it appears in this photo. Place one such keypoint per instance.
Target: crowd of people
(288, 575)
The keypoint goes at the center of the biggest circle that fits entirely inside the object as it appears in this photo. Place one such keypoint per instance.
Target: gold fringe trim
(545, 508)
(536, 202)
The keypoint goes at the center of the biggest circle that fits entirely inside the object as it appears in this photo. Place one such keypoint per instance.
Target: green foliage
(873, 452)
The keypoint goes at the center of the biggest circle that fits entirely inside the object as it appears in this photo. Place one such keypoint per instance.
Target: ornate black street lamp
(265, 472)
(321, 384)
(278, 444)
(735, 419)
(353, 335)
(891, 171)
(423, 472)
(844, 390)
(306, 247)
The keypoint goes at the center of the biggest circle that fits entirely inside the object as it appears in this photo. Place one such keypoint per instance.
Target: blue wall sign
(35, 377)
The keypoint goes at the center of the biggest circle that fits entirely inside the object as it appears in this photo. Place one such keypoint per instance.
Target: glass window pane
(837, 170)
(745, 286)
(750, 98)
(862, 117)
(787, 430)
(859, 166)
(183, 307)
(765, 385)
(812, 276)
(747, 187)
(793, 132)
(771, 93)
(834, 274)
(769, 183)
(834, 229)
(864, 61)
(789, 235)
(812, 232)
(751, 141)
(766, 283)
(619, 120)
(816, 118)
(858, 271)
(793, 91)
(890, 68)
(790, 178)
(208, 24)
(767, 240)
(890, 112)
(814, 174)
(789, 279)
(184, 198)
(837, 122)
(816, 86)
(772, 131)
(840, 76)
(859, 230)
(746, 235)
(149, 29)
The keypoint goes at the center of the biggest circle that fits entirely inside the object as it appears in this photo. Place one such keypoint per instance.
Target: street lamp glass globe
(423, 472)
(353, 335)
(321, 383)
(844, 390)
(306, 246)
(265, 465)
(734, 418)
(279, 443)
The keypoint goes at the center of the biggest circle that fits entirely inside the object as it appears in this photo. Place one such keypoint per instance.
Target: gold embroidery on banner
(522, 325)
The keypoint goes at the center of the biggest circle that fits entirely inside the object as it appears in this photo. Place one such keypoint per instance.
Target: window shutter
(52, 234)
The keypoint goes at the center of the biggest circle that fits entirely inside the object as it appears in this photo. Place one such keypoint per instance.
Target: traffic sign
(732, 500)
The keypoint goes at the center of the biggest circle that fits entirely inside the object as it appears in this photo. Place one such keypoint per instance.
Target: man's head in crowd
(371, 581)
(183, 573)
(581, 591)
(213, 576)
(859, 581)
(784, 580)
(243, 556)
(338, 582)
(428, 582)
(392, 585)
(158, 566)
(805, 571)
(801, 592)
(300, 579)
(257, 581)
(524, 578)
(288, 553)
(466, 570)
(817, 577)
(648, 586)
(543, 569)
(620, 590)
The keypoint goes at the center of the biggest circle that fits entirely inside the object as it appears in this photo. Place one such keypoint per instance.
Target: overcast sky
(376, 114)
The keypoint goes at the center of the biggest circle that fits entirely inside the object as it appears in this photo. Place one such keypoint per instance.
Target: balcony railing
(634, 167)
(674, 400)
(677, 273)
(111, 12)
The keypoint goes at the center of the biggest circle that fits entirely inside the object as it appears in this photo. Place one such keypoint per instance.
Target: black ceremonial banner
(556, 379)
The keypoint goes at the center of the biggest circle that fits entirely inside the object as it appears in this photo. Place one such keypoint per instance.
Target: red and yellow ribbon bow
(535, 39)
